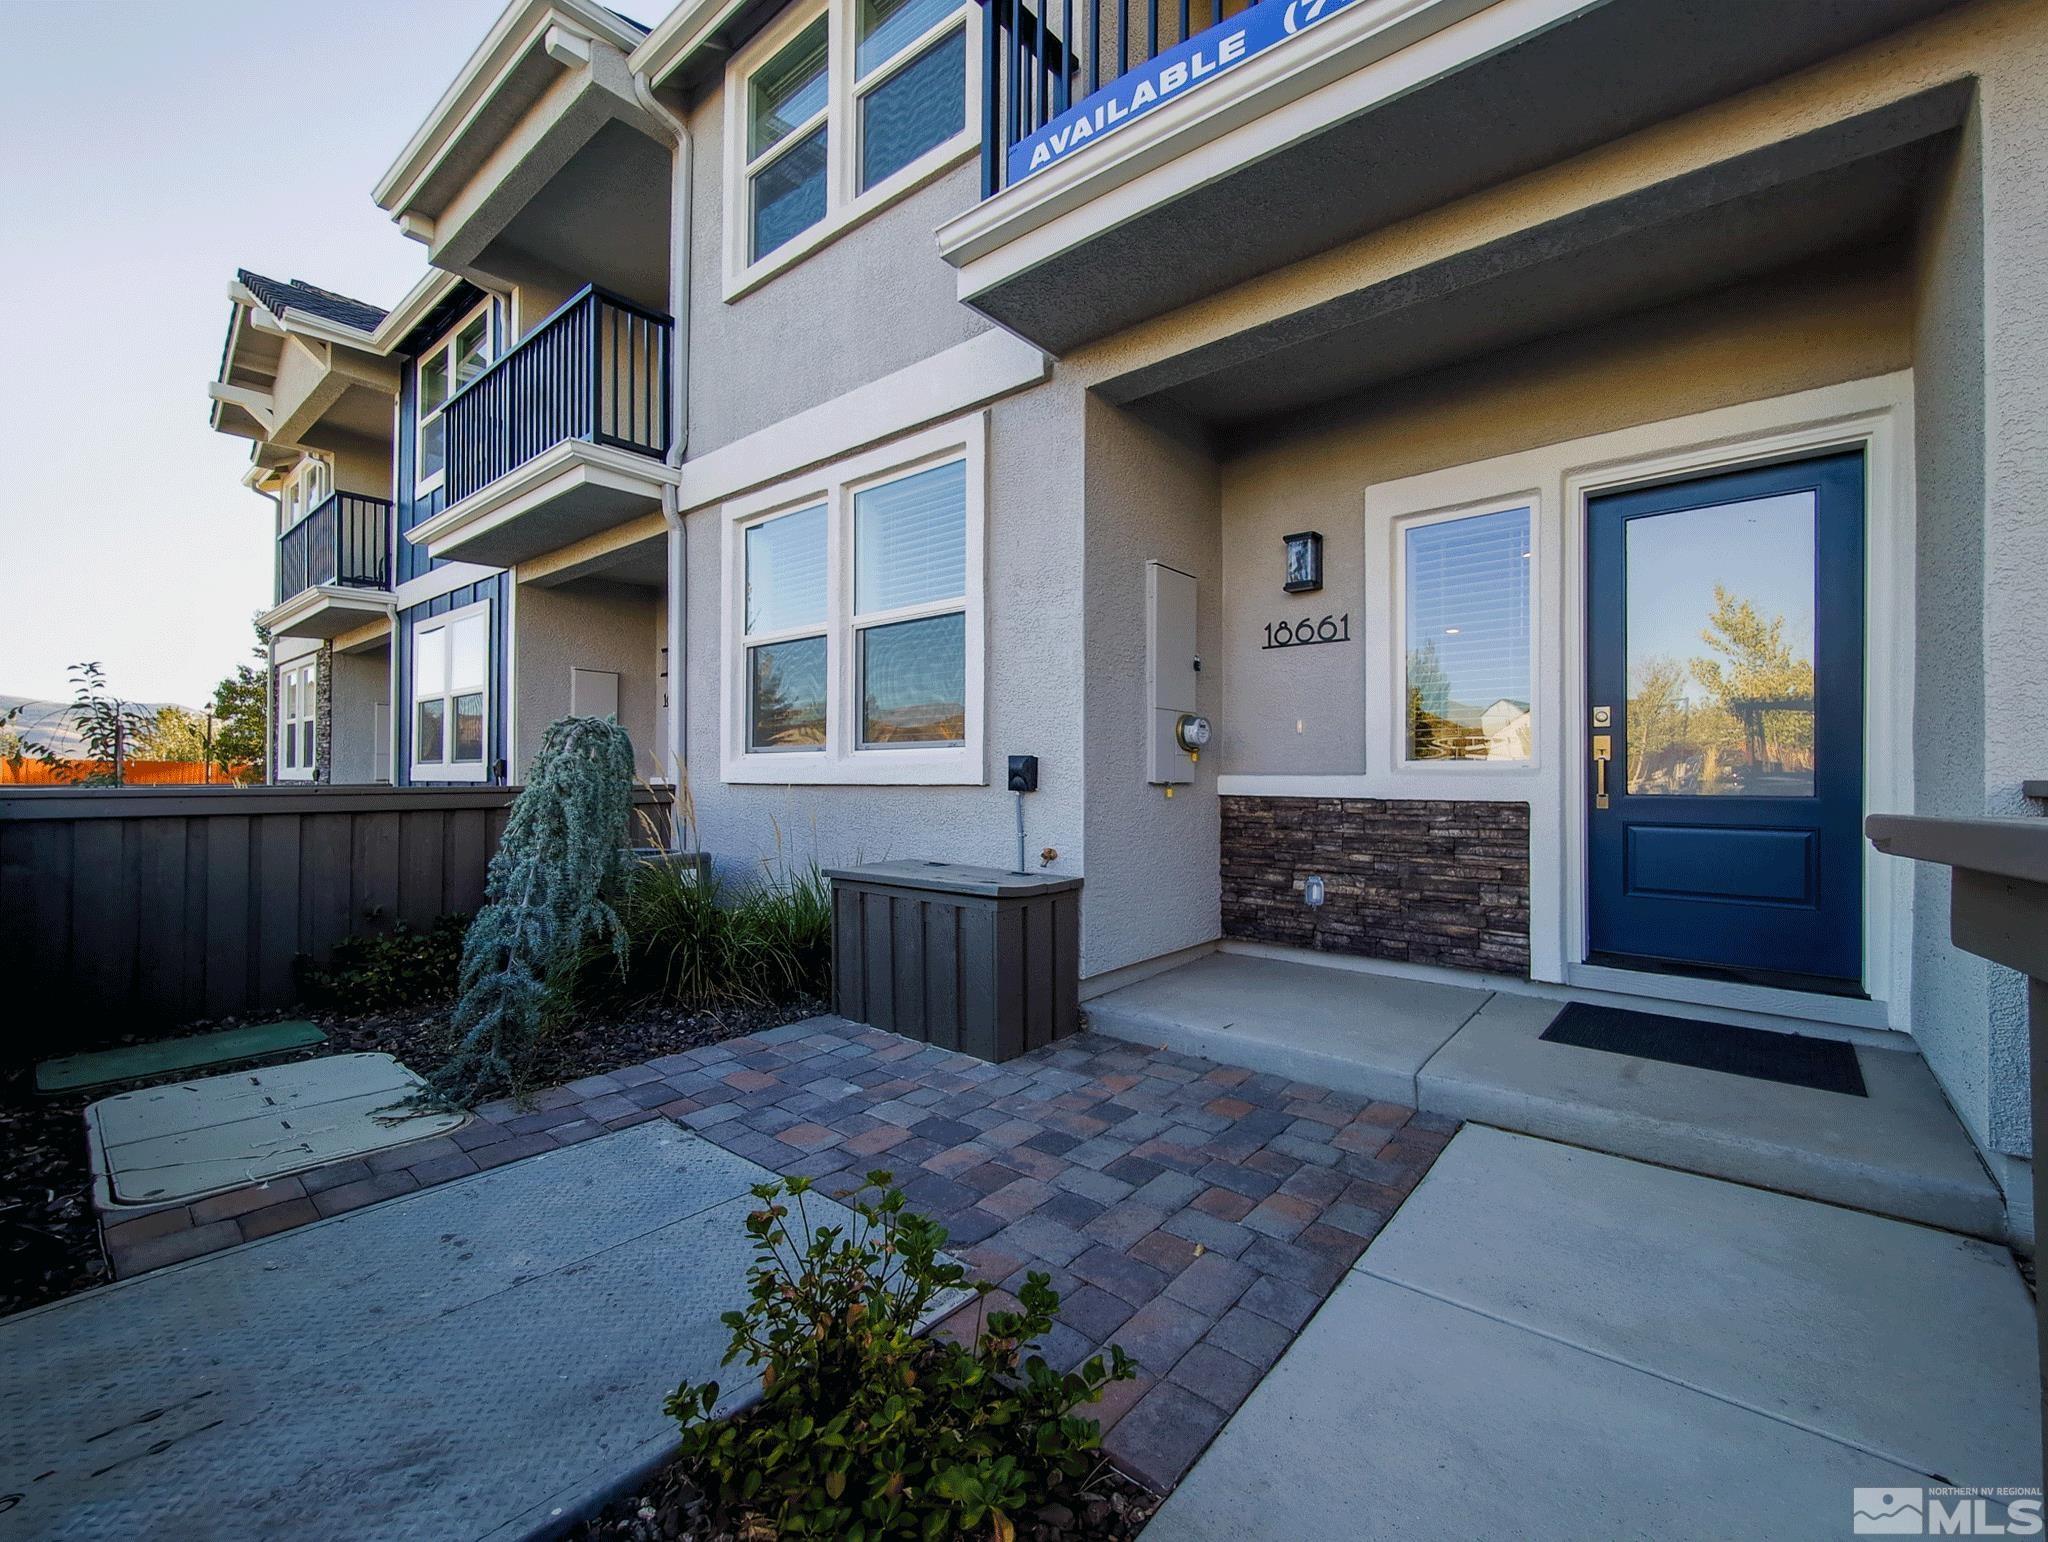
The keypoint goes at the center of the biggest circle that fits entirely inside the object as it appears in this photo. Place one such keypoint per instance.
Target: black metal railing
(346, 541)
(596, 370)
(1042, 57)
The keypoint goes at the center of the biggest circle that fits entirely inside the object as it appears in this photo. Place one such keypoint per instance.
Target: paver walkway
(1195, 1213)
(1550, 1342)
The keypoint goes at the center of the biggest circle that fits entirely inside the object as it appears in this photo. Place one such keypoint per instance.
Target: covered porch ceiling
(1843, 190)
(1128, 229)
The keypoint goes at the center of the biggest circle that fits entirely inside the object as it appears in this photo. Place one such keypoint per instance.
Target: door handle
(1603, 752)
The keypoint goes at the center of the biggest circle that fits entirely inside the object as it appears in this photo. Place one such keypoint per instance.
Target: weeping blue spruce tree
(547, 904)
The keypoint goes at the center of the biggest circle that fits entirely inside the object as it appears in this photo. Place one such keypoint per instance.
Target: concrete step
(1477, 1054)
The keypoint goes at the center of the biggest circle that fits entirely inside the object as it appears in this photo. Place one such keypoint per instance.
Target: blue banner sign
(1158, 80)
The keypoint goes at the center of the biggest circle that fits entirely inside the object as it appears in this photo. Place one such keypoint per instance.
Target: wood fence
(124, 908)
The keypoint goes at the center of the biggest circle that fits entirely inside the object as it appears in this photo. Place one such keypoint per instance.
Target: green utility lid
(103, 1068)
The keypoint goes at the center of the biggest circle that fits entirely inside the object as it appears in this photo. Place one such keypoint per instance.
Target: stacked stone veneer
(1424, 882)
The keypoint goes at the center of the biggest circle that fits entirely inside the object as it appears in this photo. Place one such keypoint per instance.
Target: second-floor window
(450, 695)
(444, 369)
(838, 109)
(306, 491)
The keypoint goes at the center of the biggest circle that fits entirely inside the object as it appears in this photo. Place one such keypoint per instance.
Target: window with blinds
(1466, 602)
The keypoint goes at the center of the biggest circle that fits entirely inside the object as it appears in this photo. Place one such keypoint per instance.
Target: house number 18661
(1307, 631)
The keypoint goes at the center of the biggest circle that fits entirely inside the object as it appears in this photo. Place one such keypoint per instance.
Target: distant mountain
(46, 722)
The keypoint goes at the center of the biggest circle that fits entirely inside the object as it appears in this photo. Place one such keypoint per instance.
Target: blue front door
(1725, 688)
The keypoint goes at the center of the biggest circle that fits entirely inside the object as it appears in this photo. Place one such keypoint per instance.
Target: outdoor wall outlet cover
(1023, 773)
(1312, 891)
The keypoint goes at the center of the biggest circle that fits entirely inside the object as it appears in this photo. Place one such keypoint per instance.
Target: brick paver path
(1195, 1213)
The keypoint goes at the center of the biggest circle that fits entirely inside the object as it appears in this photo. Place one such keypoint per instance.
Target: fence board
(121, 906)
(229, 930)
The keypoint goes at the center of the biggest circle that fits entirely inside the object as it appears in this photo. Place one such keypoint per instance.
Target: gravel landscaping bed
(673, 1509)
(49, 1234)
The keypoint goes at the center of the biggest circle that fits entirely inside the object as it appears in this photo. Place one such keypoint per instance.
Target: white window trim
(444, 345)
(289, 727)
(310, 475)
(1395, 605)
(842, 761)
(447, 770)
(845, 204)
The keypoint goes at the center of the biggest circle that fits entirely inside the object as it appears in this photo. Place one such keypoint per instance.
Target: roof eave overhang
(680, 36)
(520, 29)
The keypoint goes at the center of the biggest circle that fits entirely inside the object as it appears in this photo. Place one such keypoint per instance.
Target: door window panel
(1720, 650)
(1467, 638)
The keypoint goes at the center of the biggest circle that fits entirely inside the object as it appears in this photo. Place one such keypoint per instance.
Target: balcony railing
(1059, 74)
(346, 541)
(596, 370)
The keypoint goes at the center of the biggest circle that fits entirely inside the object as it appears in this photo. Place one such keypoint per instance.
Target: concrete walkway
(1551, 1342)
(1467, 1052)
(459, 1363)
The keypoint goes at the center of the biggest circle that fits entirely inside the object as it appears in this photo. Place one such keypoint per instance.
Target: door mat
(134, 1062)
(1826, 1065)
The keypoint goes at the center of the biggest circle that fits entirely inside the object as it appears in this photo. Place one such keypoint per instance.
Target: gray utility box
(967, 958)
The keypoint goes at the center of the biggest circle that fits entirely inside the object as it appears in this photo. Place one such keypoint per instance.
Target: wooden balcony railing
(346, 540)
(596, 370)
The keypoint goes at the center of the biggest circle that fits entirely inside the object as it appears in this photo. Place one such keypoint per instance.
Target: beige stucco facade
(1858, 240)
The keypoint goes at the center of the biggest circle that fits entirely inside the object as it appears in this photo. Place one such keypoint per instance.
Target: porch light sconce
(1304, 561)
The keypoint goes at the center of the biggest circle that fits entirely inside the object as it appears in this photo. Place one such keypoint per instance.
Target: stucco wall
(360, 696)
(1300, 711)
(868, 303)
(590, 624)
(1153, 861)
(1033, 685)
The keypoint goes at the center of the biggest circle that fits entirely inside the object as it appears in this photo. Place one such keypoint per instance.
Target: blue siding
(490, 589)
(413, 562)
(414, 510)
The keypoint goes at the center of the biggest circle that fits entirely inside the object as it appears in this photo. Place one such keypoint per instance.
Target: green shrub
(677, 931)
(694, 942)
(782, 936)
(864, 1430)
(380, 972)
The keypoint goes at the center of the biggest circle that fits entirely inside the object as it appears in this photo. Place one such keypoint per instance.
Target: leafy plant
(385, 970)
(107, 725)
(548, 897)
(239, 705)
(864, 1430)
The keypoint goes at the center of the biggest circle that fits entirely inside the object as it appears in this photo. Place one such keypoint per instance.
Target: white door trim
(1875, 415)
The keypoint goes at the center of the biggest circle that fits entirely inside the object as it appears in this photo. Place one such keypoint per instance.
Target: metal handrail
(597, 369)
(344, 541)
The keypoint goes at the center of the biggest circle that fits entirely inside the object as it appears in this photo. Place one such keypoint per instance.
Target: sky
(148, 148)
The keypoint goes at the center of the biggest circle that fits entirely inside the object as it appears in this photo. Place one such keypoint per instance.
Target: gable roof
(314, 301)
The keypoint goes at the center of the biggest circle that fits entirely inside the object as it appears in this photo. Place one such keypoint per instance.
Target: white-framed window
(854, 619)
(452, 363)
(450, 697)
(837, 110)
(298, 705)
(306, 489)
(1466, 636)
